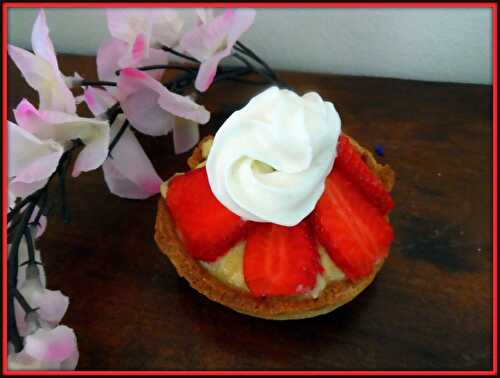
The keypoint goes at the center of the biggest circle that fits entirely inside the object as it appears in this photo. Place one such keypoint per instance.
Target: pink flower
(56, 129)
(204, 15)
(129, 172)
(136, 36)
(55, 345)
(47, 345)
(23, 257)
(41, 70)
(161, 26)
(47, 349)
(98, 101)
(115, 54)
(213, 40)
(51, 304)
(31, 160)
(150, 108)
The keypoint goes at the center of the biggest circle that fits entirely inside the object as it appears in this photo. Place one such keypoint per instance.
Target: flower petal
(27, 117)
(70, 362)
(23, 257)
(167, 28)
(31, 159)
(41, 76)
(63, 127)
(52, 304)
(205, 15)
(55, 345)
(72, 81)
(135, 52)
(42, 226)
(40, 40)
(148, 104)
(129, 173)
(156, 57)
(183, 106)
(126, 24)
(23, 189)
(138, 94)
(114, 54)
(242, 21)
(186, 135)
(23, 361)
(35, 70)
(95, 136)
(206, 39)
(206, 72)
(212, 40)
(109, 53)
(98, 100)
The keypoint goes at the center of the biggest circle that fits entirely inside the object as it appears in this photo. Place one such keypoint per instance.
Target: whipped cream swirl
(269, 160)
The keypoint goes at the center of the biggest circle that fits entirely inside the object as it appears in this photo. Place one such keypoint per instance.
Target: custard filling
(229, 267)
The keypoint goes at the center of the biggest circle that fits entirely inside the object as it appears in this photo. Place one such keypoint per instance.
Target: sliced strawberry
(350, 162)
(350, 228)
(208, 229)
(280, 260)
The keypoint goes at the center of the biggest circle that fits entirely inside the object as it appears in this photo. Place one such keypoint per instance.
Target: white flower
(41, 70)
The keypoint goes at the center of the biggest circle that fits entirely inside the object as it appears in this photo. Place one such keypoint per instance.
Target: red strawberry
(208, 229)
(350, 228)
(350, 162)
(280, 260)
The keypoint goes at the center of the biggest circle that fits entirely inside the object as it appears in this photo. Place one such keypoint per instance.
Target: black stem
(65, 212)
(19, 206)
(12, 268)
(31, 247)
(247, 81)
(19, 228)
(255, 57)
(41, 208)
(181, 82)
(113, 112)
(271, 75)
(161, 67)
(97, 82)
(264, 73)
(175, 52)
(12, 226)
(117, 137)
(12, 332)
(238, 72)
(23, 302)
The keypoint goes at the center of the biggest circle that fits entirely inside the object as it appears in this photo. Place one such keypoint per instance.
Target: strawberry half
(350, 162)
(208, 229)
(350, 228)
(280, 260)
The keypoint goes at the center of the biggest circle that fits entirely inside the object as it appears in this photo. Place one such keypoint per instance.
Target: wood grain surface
(429, 308)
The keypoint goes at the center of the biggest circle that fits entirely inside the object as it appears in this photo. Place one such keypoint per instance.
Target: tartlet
(282, 307)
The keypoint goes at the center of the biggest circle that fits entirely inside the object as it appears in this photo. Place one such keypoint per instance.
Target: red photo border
(7, 5)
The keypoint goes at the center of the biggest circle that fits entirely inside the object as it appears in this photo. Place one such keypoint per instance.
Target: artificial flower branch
(162, 67)
(127, 97)
(117, 137)
(179, 54)
(102, 83)
(22, 228)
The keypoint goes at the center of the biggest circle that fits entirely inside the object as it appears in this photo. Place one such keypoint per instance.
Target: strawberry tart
(282, 215)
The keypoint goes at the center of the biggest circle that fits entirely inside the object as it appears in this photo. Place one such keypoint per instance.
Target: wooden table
(430, 307)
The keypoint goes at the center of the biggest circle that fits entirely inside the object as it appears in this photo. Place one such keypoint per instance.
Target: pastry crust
(334, 295)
